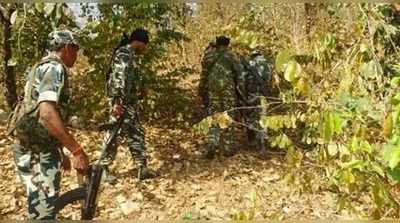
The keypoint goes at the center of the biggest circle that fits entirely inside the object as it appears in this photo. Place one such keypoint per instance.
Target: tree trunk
(9, 73)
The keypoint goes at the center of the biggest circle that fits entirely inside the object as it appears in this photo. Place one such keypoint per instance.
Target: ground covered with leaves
(333, 118)
(189, 186)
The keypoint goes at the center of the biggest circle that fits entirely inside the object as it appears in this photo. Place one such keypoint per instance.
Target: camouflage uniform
(125, 84)
(222, 80)
(203, 89)
(261, 66)
(37, 155)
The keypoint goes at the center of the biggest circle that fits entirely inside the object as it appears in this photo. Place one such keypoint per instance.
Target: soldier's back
(221, 76)
(125, 75)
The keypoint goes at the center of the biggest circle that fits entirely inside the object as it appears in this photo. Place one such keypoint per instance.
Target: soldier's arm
(202, 84)
(203, 80)
(49, 93)
(51, 120)
(141, 85)
(118, 75)
(240, 76)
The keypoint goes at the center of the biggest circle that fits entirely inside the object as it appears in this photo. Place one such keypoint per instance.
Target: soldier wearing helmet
(39, 131)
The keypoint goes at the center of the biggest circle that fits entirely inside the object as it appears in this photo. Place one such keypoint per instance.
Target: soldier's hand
(117, 111)
(66, 163)
(142, 94)
(80, 162)
(199, 100)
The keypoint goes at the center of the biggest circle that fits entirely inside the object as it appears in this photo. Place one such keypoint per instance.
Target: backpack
(263, 81)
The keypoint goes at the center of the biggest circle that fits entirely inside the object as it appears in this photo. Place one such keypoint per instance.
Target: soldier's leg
(261, 134)
(214, 133)
(229, 140)
(261, 143)
(108, 153)
(135, 137)
(228, 136)
(109, 150)
(250, 130)
(41, 175)
(213, 138)
(109, 147)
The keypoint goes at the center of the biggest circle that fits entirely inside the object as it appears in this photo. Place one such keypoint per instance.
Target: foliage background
(336, 74)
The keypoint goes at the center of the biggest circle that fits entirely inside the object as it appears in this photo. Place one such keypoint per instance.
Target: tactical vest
(23, 122)
(220, 75)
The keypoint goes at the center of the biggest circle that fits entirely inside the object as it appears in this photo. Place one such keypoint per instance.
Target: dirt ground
(189, 186)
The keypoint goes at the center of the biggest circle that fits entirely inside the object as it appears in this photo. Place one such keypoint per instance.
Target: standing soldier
(125, 89)
(203, 95)
(258, 84)
(38, 126)
(223, 78)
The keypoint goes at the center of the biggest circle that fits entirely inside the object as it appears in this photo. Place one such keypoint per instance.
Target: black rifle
(89, 183)
(96, 171)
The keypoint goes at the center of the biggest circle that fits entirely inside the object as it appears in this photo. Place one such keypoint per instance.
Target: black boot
(145, 173)
(262, 149)
(210, 153)
(229, 152)
(251, 138)
(108, 177)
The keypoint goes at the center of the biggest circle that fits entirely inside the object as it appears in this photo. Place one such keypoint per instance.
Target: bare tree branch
(5, 12)
(4, 16)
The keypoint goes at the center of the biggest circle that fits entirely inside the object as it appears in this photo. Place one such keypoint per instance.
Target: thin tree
(6, 10)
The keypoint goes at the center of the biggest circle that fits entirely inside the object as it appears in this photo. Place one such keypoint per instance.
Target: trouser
(133, 133)
(255, 133)
(216, 135)
(220, 102)
(40, 173)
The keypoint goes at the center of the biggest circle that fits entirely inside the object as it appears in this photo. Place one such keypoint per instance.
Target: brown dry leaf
(215, 186)
(223, 120)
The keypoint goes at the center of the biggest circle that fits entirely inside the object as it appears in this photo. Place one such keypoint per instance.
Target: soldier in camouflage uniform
(40, 133)
(203, 95)
(257, 87)
(125, 89)
(223, 81)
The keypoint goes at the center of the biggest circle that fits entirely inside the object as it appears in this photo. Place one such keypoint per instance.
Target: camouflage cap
(60, 38)
(257, 50)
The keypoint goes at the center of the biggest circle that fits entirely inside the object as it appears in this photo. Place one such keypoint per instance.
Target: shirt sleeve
(51, 83)
(118, 75)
